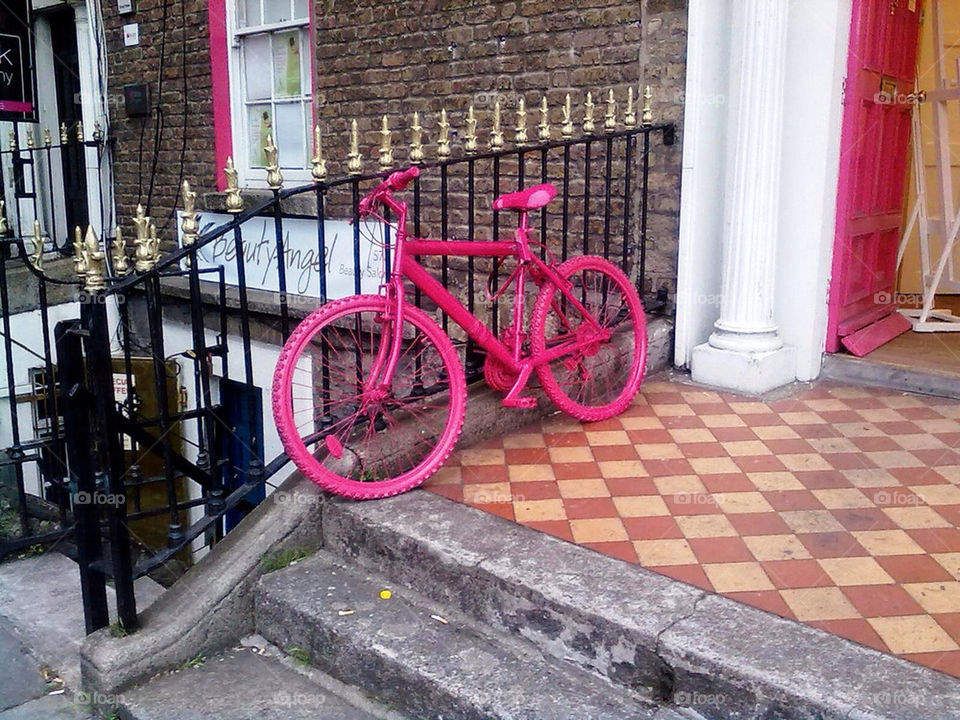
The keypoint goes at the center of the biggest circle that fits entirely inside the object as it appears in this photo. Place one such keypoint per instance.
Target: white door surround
(758, 202)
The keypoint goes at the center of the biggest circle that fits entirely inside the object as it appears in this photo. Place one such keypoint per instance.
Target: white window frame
(256, 177)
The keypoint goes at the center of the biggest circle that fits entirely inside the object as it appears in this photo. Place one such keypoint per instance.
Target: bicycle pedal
(524, 403)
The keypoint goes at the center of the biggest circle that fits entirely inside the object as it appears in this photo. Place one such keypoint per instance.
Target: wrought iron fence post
(93, 314)
(15, 451)
(75, 401)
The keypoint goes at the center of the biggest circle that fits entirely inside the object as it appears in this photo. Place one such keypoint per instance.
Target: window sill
(303, 205)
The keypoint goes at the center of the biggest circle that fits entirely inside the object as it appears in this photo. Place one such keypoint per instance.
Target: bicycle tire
(343, 449)
(595, 383)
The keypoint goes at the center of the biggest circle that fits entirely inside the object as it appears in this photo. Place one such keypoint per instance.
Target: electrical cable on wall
(158, 122)
(185, 105)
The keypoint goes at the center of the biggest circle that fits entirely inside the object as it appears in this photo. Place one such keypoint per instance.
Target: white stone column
(745, 351)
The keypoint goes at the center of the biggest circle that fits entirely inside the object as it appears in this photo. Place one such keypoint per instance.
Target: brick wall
(395, 57)
(186, 107)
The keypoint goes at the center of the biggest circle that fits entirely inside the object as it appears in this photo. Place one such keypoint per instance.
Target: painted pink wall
(220, 86)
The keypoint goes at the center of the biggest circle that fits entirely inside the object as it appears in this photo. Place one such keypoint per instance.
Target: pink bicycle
(369, 394)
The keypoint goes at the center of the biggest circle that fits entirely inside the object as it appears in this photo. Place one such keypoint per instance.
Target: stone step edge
(296, 608)
(657, 636)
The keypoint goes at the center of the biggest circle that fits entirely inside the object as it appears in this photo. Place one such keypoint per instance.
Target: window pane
(259, 126)
(276, 11)
(300, 9)
(250, 13)
(256, 66)
(290, 135)
(286, 64)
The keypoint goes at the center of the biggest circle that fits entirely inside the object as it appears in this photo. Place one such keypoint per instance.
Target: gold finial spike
(496, 134)
(97, 132)
(13, 141)
(143, 252)
(47, 140)
(646, 117)
(93, 256)
(566, 129)
(79, 263)
(121, 264)
(610, 119)
(147, 246)
(80, 137)
(521, 129)
(386, 146)
(36, 258)
(354, 164)
(470, 138)
(416, 140)
(543, 129)
(64, 134)
(30, 138)
(189, 224)
(588, 125)
(318, 164)
(234, 201)
(154, 243)
(274, 176)
(4, 227)
(630, 115)
(443, 142)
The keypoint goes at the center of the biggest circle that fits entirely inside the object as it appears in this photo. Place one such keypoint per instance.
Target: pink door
(873, 162)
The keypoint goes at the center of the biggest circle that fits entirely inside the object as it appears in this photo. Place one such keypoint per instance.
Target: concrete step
(661, 639)
(864, 371)
(255, 681)
(429, 661)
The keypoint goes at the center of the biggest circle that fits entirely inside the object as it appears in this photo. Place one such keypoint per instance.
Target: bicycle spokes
(353, 423)
(592, 373)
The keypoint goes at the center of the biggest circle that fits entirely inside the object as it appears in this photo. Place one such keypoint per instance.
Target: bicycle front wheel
(598, 377)
(361, 438)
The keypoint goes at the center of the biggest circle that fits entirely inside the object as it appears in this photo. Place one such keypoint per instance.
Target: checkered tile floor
(837, 507)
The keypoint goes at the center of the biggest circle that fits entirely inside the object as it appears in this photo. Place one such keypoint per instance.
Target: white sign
(131, 34)
(301, 254)
(120, 393)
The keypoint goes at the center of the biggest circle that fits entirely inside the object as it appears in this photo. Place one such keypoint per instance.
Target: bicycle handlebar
(401, 178)
(396, 181)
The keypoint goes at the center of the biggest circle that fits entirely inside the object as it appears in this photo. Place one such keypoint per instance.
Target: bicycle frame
(405, 266)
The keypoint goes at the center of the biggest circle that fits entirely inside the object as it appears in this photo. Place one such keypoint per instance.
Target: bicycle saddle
(532, 198)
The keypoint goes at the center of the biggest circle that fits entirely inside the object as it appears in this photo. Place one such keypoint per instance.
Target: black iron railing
(603, 182)
(45, 185)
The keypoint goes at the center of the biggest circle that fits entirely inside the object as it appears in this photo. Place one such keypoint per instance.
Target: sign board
(17, 81)
(301, 255)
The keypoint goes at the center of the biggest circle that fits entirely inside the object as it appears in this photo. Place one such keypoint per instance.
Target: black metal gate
(603, 178)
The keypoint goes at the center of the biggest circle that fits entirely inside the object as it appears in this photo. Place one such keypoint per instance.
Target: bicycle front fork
(391, 341)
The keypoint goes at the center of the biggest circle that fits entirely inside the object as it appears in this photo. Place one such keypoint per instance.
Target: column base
(748, 372)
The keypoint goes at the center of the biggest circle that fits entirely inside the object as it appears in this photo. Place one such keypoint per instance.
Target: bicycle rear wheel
(354, 437)
(600, 378)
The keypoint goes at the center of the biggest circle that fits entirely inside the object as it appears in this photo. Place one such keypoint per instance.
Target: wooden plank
(873, 336)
